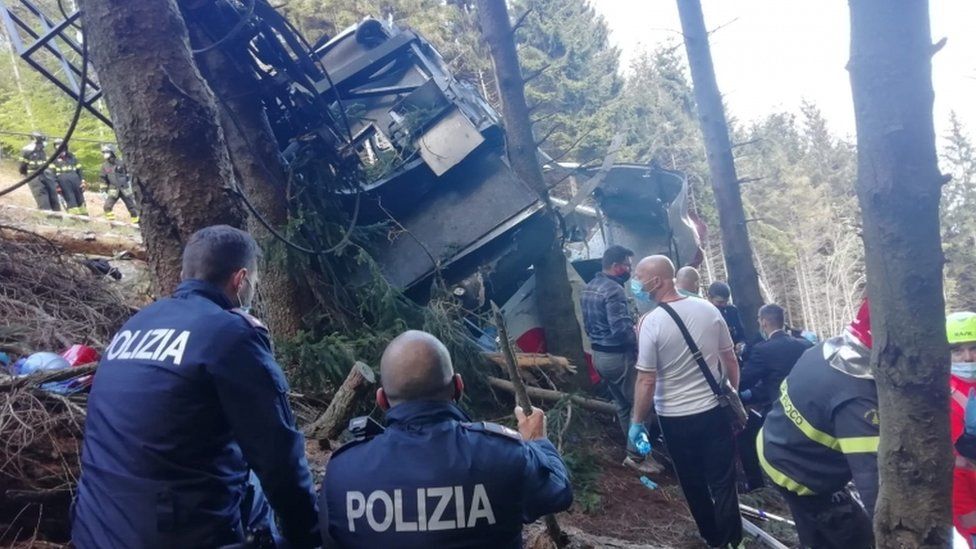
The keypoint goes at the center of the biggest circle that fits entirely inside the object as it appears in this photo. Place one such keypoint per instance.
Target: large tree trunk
(732, 219)
(257, 163)
(166, 121)
(898, 187)
(554, 295)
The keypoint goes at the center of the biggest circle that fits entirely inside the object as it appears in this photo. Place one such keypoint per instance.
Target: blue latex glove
(637, 434)
(745, 395)
(970, 417)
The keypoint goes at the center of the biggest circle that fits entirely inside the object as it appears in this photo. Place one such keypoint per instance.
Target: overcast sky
(772, 54)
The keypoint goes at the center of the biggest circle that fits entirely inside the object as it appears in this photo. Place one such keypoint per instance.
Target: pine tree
(958, 221)
(571, 76)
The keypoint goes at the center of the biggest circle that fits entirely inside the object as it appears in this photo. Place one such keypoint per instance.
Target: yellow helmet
(961, 327)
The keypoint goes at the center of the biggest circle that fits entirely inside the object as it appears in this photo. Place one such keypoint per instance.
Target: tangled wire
(48, 301)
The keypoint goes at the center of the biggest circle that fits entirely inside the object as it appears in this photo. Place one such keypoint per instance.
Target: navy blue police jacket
(434, 479)
(187, 399)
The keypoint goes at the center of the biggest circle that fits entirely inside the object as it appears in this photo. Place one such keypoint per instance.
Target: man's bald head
(688, 279)
(656, 274)
(416, 366)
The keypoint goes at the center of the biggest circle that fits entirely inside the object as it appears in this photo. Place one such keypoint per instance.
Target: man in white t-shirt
(697, 431)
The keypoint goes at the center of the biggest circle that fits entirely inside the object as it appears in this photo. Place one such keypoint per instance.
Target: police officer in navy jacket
(434, 478)
(187, 402)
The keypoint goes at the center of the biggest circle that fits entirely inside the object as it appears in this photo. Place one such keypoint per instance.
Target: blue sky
(772, 54)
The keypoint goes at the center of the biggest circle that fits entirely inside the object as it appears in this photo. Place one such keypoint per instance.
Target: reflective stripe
(776, 475)
(847, 445)
(801, 422)
(965, 464)
(968, 520)
(859, 445)
(959, 398)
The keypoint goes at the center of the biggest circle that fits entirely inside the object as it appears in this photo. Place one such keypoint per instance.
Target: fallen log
(335, 418)
(79, 241)
(592, 404)
(535, 360)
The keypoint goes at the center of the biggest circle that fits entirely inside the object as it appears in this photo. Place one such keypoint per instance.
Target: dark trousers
(830, 521)
(71, 190)
(45, 191)
(114, 193)
(702, 450)
(748, 457)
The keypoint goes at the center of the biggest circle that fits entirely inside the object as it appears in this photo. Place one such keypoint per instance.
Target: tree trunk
(899, 187)
(258, 166)
(554, 295)
(725, 184)
(166, 121)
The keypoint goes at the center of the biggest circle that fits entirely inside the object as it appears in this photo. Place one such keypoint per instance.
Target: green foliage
(573, 96)
(29, 102)
(958, 219)
(804, 217)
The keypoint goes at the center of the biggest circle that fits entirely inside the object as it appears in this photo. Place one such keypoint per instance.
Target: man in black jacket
(770, 361)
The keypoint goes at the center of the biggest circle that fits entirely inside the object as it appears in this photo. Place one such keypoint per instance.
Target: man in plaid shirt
(609, 324)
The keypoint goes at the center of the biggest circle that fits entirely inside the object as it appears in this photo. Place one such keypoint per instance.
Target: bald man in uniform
(434, 478)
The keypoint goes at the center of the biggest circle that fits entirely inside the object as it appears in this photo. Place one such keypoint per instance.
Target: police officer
(116, 179)
(44, 187)
(187, 400)
(434, 478)
(68, 171)
(821, 434)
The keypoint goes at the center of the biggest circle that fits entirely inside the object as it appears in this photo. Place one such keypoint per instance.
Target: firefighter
(44, 187)
(116, 179)
(961, 333)
(821, 434)
(68, 172)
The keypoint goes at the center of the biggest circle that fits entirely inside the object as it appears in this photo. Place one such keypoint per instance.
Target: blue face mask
(637, 288)
(964, 370)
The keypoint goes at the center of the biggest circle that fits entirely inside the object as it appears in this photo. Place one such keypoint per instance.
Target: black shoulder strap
(695, 351)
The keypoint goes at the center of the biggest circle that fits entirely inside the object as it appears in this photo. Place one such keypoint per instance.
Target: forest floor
(611, 506)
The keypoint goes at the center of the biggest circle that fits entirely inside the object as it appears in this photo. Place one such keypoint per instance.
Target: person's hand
(746, 395)
(531, 427)
(970, 417)
(637, 434)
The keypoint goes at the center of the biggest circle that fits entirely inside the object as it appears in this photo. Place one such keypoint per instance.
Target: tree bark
(166, 121)
(257, 163)
(711, 116)
(899, 187)
(554, 294)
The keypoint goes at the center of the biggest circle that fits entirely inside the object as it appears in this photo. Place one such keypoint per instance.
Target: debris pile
(50, 301)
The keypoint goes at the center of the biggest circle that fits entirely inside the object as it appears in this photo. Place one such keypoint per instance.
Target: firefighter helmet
(961, 327)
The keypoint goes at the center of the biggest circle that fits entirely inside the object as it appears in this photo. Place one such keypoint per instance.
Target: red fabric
(79, 355)
(964, 474)
(534, 341)
(860, 327)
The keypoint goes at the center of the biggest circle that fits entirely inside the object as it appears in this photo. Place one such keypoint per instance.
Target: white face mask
(964, 370)
(245, 305)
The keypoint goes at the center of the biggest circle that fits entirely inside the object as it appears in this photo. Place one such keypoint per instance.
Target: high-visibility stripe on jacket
(964, 473)
(822, 432)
